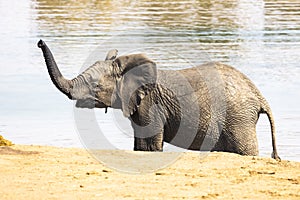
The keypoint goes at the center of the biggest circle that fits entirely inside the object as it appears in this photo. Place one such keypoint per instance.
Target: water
(260, 38)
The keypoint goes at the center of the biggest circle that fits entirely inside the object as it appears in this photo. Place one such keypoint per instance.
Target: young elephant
(209, 107)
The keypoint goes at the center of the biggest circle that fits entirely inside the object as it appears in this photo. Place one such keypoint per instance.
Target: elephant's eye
(96, 86)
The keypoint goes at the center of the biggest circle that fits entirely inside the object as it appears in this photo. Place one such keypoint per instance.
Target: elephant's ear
(112, 54)
(137, 79)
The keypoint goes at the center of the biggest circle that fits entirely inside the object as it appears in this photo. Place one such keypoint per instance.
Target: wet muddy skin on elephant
(208, 107)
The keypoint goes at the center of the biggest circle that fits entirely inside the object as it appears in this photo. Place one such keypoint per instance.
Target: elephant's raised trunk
(58, 80)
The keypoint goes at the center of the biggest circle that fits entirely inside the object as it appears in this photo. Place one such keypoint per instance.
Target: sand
(43, 172)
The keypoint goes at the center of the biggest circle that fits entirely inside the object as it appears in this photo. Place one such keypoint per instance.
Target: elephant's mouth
(89, 103)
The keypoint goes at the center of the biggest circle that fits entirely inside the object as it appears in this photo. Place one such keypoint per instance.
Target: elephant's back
(222, 88)
(238, 87)
(213, 78)
(233, 92)
(222, 77)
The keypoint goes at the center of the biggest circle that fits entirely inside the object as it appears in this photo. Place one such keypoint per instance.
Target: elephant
(210, 107)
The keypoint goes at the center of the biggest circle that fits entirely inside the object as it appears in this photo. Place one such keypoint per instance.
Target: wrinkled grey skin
(155, 100)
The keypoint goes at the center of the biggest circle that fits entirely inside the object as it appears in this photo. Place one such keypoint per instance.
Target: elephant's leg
(149, 137)
(238, 139)
(148, 130)
(245, 141)
(153, 143)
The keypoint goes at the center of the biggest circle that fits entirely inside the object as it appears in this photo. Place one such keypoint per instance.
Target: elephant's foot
(148, 144)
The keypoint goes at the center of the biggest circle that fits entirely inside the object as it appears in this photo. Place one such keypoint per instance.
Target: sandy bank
(40, 172)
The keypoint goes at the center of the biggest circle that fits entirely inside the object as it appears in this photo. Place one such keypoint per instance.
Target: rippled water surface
(260, 38)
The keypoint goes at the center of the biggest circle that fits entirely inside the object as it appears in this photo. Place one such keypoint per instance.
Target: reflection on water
(260, 38)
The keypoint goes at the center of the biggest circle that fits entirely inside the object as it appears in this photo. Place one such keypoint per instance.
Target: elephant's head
(116, 82)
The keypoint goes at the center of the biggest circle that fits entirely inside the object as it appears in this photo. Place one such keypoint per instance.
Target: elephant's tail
(266, 109)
